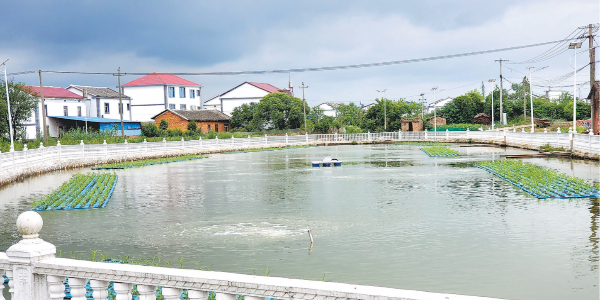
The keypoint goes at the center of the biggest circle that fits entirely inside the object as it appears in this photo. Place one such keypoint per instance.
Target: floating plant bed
(146, 162)
(440, 151)
(540, 182)
(422, 143)
(91, 190)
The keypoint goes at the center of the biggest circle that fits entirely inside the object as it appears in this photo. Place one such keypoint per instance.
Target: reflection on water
(391, 216)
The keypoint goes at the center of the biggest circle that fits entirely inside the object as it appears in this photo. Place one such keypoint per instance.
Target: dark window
(182, 106)
(192, 94)
(106, 108)
(216, 127)
(46, 109)
(171, 106)
(226, 128)
(208, 127)
(181, 92)
(128, 107)
(65, 111)
(171, 92)
(79, 111)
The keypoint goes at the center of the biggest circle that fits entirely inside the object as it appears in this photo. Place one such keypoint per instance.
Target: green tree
(349, 114)
(242, 115)
(164, 124)
(149, 129)
(394, 111)
(192, 126)
(279, 111)
(463, 108)
(22, 104)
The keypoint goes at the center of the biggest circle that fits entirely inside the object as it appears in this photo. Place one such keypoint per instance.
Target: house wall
(55, 108)
(176, 121)
(148, 101)
(95, 106)
(244, 94)
(328, 110)
(229, 104)
(416, 126)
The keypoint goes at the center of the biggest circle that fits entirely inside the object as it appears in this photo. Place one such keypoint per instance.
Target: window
(65, 111)
(181, 92)
(79, 111)
(46, 109)
(106, 108)
(128, 107)
(171, 92)
(208, 127)
(226, 128)
(216, 127)
(171, 106)
(192, 94)
(182, 106)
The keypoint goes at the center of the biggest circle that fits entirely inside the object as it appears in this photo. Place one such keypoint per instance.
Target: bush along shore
(540, 182)
(147, 162)
(438, 151)
(91, 190)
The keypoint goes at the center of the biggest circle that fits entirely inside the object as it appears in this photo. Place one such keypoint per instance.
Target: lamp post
(492, 81)
(434, 112)
(384, 109)
(10, 129)
(575, 46)
(531, 92)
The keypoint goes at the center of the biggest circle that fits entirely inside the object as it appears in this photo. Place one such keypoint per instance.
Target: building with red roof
(244, 93)
(155, 92)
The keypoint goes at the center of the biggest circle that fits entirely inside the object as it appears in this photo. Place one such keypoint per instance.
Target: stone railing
(35, 273)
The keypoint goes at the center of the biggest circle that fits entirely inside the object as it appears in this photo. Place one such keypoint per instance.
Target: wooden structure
(412, 124)
(206, 120)
(482, 118)
(541, 122)
(440, 120)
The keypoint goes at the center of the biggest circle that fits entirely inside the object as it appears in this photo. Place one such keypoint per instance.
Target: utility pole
(120, 103)
(594, 99)
(531, 96)
(45, 130)
(303, 105)
(384, 110)
(501, 90)
(525, 100)
(10, 129)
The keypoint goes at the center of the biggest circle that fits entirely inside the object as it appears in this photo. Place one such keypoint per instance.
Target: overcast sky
(203, 36)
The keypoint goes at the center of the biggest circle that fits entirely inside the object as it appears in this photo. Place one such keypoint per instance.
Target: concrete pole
(44, 130)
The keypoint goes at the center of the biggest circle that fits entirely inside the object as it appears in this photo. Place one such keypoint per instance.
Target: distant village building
(440, 120)
(329, 108)
(103, 102)
(153, 93)
(58, 102)
(411, 124)
(206, 119)
(482, 118)
(366, 107)
(553, 95)
(244, 93)
(438, 104)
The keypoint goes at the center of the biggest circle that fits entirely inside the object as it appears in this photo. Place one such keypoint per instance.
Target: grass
(147, 162)
(539, 181)
(548, 148)
(439, 151)
(91, 190)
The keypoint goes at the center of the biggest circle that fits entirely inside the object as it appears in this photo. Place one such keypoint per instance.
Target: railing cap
(29, 224)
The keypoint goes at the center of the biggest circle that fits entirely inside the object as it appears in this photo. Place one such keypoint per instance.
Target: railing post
(26, 154)
(105, 149)
(306, 134)
(232, 141)
(286, 138)
(59, 154)
(126, 149)
(266, 140)
(146, 292)
(589, 142)
(25, 284)
(164, 145)
(56, 287)
(123, 290)
(182, 144)
(77, 288)
(200, 139)
(447, 133)
(82, 148)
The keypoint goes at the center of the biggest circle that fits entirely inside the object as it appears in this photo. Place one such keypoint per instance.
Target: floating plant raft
(540, 182)
(146, 162)
(438, 151)
(91, 190)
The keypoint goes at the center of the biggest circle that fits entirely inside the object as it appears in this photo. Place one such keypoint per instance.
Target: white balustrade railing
(21, 163)
(35, 273)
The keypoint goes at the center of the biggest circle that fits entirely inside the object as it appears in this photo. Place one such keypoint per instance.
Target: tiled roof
(160, 79)
(102, 92)
(203, 115)
(54, 92)
(265, 86)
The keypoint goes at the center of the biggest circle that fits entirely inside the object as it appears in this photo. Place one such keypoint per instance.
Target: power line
(345, 67)
(560, 48)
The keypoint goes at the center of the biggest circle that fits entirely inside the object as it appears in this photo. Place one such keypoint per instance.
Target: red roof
(265, 86)
(54, 92)
(160, 79)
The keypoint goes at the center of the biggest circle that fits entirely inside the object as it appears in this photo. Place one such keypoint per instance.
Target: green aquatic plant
(147, 162)
(437, 151)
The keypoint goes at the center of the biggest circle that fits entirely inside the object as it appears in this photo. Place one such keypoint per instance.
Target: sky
(218, 36)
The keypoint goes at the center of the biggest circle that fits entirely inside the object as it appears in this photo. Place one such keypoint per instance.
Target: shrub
(164, 124)
(192, 126)
(210, 135)
(149, 129)
(224, 135)
(174, 132)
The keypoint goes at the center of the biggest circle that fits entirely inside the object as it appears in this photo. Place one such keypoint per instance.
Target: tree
(149, 129)
(23, 102)
(349, 114)
(395, 111)
(192, 126)
(164, 124)
(279, 111)
(242, 115)
(463, 108)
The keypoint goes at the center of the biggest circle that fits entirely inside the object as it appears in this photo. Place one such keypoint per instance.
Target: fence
(35, 273)
(18, 164)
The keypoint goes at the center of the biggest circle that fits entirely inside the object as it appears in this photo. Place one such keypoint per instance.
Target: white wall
(230, 104)
(54, 108)
(328, 110)
(244, 94)
(148, 101)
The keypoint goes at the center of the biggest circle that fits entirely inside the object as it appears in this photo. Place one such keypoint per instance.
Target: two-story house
(244, 93)
(103, 102)
(58, 102)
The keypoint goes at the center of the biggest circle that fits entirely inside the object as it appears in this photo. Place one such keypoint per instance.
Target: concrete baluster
(2, 285)
(306, 135)
(286, 138)
(200, 139)
(59, 153)
(146, 292)
(266, 140)
(105, 149)
(224, 296)
(123, 290)
(82, 148)
(173, 293)
(468, 133)
(26, 154)
(56, 287)
(447, 133)
(99, 288)
(11, 283)
(77, 288)
(199, 295)
(164, 144)
(217, 140)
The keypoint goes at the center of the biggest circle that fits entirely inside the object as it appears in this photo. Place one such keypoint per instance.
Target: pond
(390, 216)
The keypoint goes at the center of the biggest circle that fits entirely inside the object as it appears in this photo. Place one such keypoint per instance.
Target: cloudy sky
(213, 36)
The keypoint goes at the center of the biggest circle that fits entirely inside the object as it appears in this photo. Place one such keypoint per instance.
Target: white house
(156, 92)
(438, 104)
(58, 102)
(245, 93)
(102, 102)
(329, 108)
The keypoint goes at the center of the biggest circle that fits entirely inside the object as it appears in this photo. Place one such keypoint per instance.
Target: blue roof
(93, 119)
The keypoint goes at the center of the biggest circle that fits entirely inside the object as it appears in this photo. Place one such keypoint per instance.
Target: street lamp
(10, 130)
(434, 112)
(492, 81)
(531, 92)
(575, 46)
(384, 109)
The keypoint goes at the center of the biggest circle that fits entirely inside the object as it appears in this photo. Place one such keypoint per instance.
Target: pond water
(391, 216)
